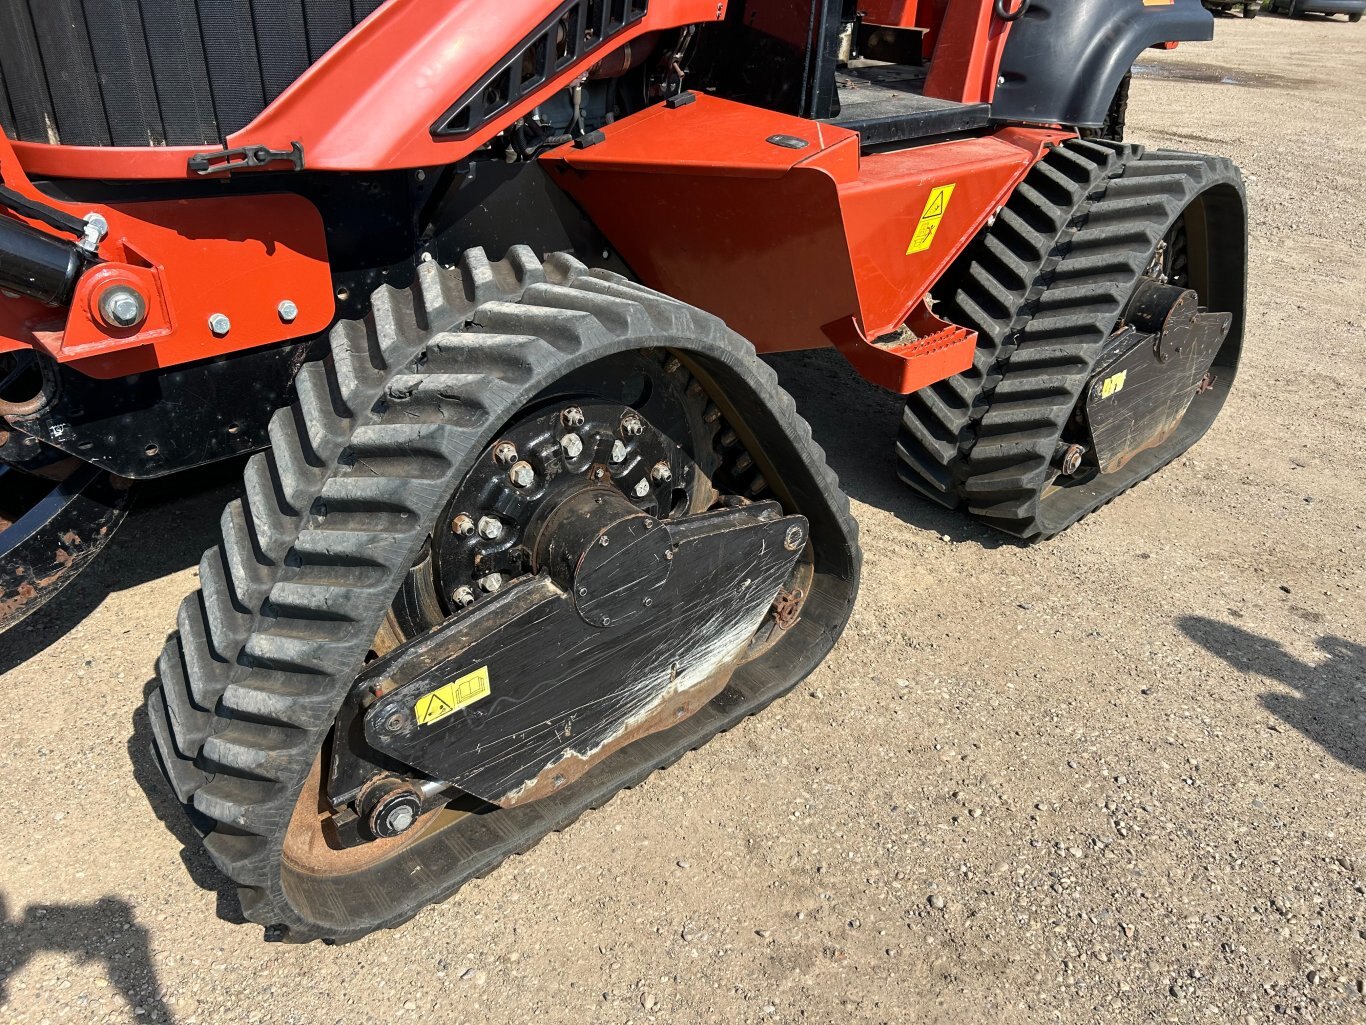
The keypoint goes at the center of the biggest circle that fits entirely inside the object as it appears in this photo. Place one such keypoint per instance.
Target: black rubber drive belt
(334, 515)
(1044, 288)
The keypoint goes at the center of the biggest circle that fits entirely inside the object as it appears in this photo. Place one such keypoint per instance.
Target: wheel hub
(594, 464)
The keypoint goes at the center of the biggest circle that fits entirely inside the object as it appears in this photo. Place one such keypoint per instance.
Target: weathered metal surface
(562, 694)
(1142, 388)
(49, 532)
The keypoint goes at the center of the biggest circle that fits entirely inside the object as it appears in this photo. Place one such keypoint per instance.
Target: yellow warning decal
(449, 699)
(1113, 385)
(935, 208)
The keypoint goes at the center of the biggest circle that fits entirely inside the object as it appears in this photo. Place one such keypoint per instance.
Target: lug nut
(463, 597)
(220, 325)
(122, 306)
(641, 489)
(491, 583)
(490, 529)
(572, 417)
(463, 525)
(505, 453)
(288, 311)
(618, 452)
(661, 473)
(522, 475)
(572, 445)
(632, 426)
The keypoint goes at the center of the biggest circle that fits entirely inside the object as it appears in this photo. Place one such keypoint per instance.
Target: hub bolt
(572, 417)
(793, 539)
(390, 808)
(463, 525)
(632, 426)
(661, 473)
(572, 445)
(618, 452)
(463, 597)
(122, 306)
(491, 582)
(522, 475)
(490, 528)
(505, 453)
(641, 489)
(1069, 459)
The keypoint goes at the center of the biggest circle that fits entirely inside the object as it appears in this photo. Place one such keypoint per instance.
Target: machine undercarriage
(527, 518)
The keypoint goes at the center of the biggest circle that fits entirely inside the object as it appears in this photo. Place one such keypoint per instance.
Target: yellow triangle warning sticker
(449, 698)
(432, 707)
(935, 209)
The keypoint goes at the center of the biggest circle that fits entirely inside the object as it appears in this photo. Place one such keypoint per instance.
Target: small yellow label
(1113, 385)
(935, 208)
(450, 698)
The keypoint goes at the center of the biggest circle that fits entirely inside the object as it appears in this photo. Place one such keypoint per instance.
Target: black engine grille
(156, 72)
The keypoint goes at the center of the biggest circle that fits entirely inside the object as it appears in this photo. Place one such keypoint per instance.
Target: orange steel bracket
(801, 242)
(259, 261)
(967, 52)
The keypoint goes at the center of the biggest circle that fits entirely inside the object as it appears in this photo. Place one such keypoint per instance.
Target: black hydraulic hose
(38, 265)
(1007, 15)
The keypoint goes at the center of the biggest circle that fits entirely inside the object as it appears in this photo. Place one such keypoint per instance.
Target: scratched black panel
(1143, 387)
(560, 686)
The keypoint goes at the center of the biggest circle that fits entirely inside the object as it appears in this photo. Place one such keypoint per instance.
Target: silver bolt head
(793, 539)
(522, 475)
(288, 311)
(490, 528)
(572, 417)
(464, 597)
(642, 488)
(572, 445)
(618, 452)
(97, 225)
(491, 582)
(632, 426)
(463, 525)
(401, 818)
(219, 325)
(661, 472)
(505, 453)
(123, 306)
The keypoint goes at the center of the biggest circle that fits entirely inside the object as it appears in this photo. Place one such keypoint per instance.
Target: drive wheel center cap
(613, 559)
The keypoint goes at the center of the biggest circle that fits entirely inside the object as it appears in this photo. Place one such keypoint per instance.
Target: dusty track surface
(1115, 778)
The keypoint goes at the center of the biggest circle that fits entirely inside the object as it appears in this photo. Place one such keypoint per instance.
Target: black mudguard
(1065, 59)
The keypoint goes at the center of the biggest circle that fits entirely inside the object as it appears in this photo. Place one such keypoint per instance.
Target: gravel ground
(1113, 778)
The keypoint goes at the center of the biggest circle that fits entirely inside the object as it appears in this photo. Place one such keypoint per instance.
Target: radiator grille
(156, 72)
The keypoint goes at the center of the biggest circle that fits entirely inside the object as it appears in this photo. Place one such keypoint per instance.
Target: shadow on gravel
(185, 824)
(856, 423)
(1330, 702)
(105, 931)
(170, 525)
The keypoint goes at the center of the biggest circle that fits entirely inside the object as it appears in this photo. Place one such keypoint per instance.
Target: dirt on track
(1118, 777)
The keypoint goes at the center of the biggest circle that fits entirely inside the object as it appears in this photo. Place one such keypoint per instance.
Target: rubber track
(335, 511)
(1044, 288)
